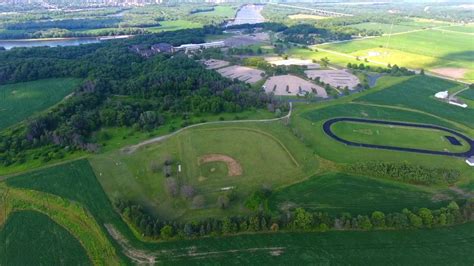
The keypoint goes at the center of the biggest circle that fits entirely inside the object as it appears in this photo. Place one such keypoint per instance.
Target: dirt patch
(233, 167)
(292, 85)
(245, 74)
(452, 72)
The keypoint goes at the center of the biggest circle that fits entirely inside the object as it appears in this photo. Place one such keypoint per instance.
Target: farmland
(385, 28)
(21, 100)
(338, 192)
(413, 50)
(45, 241)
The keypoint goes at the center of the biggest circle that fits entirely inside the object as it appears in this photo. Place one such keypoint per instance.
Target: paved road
(467, 154)
(132, 149)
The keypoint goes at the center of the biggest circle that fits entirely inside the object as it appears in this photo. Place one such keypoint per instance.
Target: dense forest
(120, 88)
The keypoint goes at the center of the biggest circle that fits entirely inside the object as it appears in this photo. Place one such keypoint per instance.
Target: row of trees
(391, 70)
(295, 220)
(407, 172)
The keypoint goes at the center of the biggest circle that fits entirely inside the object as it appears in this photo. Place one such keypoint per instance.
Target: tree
(426, 216)
(302, 220)
(223, 201)
(198, 201)
(187, 191)
(188, 229)
(171, 186)
(378, 219)
(422, 72)
(364, 222)
(166, 232)
(415, 220)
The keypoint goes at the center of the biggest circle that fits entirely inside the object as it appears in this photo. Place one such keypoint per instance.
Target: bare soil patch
(292, 85)
(245, 74)
(336, 78)
(233, 167)
(452, 72)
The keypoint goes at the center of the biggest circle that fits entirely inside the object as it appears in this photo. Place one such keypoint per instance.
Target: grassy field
(468, 94)
(413, 50)
(268, 155)
(469, 28)
(338, 192)
(398, 136)
(307, 121)
(31, 238)
(385, 28)
(21, 100)
(172, 25)
(418, 93)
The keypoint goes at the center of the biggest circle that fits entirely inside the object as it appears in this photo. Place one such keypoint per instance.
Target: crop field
(398, 136)
(417, 93)
(21, 100)
(413, 50)
(338, 192)
(452, 245)
(31, 238)
(385, 28)
(469, 28)
(468, 94)
(267, 155)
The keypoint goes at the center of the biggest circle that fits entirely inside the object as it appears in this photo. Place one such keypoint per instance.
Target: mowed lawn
(418, 92)
(32, 238)
(336, 193)
(264, 157)
(415, 50)
(21, 100)
(398, 136)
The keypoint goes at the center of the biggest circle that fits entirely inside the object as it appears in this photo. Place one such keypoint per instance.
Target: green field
(172, 25)
(452, 245)
(469, 28)
(268, 155)
(385, 28)
(31, 238)
(468, 94)
(418, 93)
(398, 136)
(21, 100)
(337, 193)
(414, 50)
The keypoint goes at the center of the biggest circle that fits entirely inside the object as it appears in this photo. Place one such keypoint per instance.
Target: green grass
(172, 25)
(468, 94)
(397, 136)
(418, 93)
(267, 153)
(219, 11)
(385, 28)
(32, 238)
(337, 192)
(22, 100)
(469, 28)
(414, 50)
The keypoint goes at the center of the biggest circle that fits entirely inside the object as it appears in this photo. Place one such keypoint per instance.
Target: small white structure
(199, 46)
(179, 168)
(457, 103)
(442, 95)
(470, 161)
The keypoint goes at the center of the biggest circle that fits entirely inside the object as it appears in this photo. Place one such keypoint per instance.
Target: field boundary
(328, 131)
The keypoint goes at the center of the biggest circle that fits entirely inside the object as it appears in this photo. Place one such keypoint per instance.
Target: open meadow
(21, 100)
(453, 53)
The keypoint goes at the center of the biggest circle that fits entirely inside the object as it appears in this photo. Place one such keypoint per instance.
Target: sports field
(414, 50)
(21, 100)
(31, 238)
(398, 136)
(267, 154)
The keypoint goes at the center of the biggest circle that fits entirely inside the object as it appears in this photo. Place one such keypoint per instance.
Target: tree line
(297, 220)
(405, 172)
